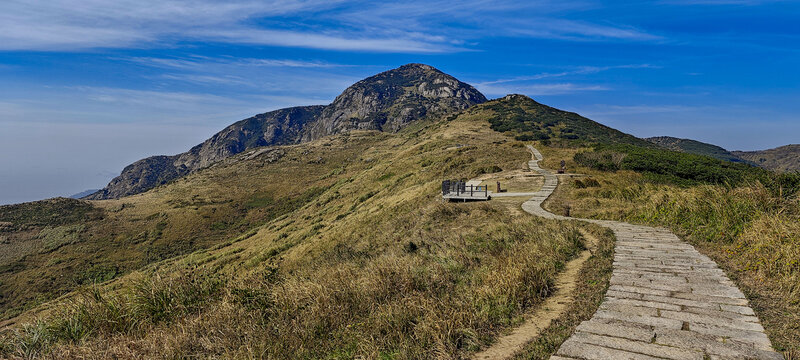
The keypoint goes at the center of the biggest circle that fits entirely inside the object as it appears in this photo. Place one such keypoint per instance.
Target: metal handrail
(461, 188)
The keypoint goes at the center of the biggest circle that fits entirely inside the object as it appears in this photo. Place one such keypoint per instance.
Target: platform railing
(460, 188)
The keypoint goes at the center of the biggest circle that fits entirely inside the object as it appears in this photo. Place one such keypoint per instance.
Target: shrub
(664, 166)
(586, 183)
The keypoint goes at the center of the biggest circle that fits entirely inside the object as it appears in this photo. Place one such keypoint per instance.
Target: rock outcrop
(387, 102)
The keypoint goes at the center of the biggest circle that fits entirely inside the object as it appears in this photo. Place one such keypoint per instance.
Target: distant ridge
(387, 102)
(695, 147)
(783, 159)
(83, 194)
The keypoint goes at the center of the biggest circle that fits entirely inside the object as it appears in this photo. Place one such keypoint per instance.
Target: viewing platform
(465, 191)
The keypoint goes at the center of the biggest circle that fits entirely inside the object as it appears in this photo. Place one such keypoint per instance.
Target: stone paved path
(665, 300)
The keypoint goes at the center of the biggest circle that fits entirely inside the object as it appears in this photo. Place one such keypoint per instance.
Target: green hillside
(694, 147)
(330, 249)
(526, 120)
(341, 247)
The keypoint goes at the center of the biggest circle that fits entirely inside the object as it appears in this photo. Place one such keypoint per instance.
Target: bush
(586, 183)
(600, 160)
(664, 166)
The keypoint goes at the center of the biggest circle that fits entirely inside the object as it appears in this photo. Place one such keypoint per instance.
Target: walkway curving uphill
(665, 300)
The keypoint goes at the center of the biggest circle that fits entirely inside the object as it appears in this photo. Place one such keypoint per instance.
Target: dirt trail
(552, 308)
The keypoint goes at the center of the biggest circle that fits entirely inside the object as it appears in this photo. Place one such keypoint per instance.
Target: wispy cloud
(66, 25)
(578, 71)
(207, 79)
(565, 29)
(203, 62)
(413, 26)
(540, 89)
(605, 110)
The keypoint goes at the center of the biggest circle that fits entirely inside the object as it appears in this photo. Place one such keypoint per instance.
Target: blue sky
(91, 86)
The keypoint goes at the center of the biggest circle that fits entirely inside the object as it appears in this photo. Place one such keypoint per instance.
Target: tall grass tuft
(152, 300)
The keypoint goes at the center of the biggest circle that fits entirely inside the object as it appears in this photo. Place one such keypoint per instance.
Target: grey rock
(386, 102)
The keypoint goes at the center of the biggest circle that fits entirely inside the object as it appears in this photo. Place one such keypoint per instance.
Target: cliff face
(390, 100)
(387, 102)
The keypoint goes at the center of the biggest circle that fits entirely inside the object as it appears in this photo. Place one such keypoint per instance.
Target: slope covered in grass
(526, 119)
(750, 227)
(366, 261)
(694, 147)
(197, 212)
(784, 158)
(666, 166)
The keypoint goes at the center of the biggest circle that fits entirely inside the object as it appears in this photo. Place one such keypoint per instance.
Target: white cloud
(66, 25)
(203, 62)
(564, 29)
(408, 27)
(207, 79)
(578, 71)
(399, 44)
(540, 89)
(605, 110)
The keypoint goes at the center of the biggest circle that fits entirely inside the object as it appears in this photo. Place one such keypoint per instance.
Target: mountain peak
(387, 102)
(390, 100)
(417, 66)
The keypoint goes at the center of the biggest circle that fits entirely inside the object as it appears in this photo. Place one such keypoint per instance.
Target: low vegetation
(52, 247)
(372, 264)
(435, 294)
(350, 253)
(743, 217)
(527, 120)
(589, 293)
(694, 147)
(670, 167)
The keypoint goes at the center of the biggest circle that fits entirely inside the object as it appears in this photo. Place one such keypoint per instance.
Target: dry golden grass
(752, 233)
(590, 290)
(372, 264)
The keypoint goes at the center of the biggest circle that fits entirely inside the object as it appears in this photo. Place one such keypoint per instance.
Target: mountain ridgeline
(782, 159)
(695, 147)
(527, 120)
(386, 102)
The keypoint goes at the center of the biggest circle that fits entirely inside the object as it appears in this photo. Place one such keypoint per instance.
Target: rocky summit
(386, 102)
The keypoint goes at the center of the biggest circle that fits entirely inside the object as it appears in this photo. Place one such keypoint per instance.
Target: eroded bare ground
(552, 308)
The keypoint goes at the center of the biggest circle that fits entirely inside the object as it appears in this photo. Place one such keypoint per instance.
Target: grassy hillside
(783, 159)
(336, 248)
(526, 119)
(694, 147)
(56, 246)
(664, 166)
(750, 227)
(342, 248)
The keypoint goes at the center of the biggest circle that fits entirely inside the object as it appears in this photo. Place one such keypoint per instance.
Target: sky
(87, 87)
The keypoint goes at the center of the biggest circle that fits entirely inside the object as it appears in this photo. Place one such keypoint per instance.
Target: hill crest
(694, 147)
(387, 101)
(782, 159)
